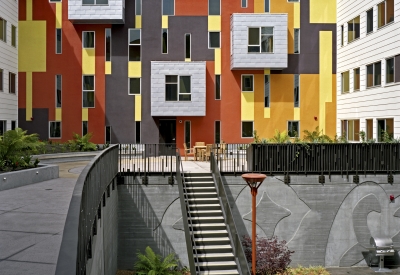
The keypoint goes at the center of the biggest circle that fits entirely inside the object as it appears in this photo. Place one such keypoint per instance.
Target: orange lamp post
(254, 181)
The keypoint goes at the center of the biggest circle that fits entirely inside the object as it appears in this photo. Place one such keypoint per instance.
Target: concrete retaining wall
(28, 176)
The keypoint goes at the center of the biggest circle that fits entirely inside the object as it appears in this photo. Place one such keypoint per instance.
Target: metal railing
(189, 236)
(238, 251)
(231, 157)
(88, 197)
(350, 158)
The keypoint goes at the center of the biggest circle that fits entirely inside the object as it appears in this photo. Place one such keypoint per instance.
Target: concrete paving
(358, 271)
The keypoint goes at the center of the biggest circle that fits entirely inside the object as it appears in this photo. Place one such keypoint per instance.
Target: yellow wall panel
(138, 22)
(138, 108)
(282, 6)
(58, 15)
(85, 114)
(323, 11)
(214, 23)
(325, 75)
(296, 112)
(296, 15)
(309, 107)
(164, 22)
(134, 69)
(32, 46)
(58, 114)
(28, 113)
(108, 67)
(267, 112)
(247, 106)
(188, 59)
(217, 64)
(259, 6)
(28, 10)
(267, 71)
(88, 61)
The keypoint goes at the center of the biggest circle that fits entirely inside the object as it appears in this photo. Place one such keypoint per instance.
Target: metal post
(253, 230)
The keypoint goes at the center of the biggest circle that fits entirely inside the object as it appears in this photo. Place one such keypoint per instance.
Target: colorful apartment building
(368, 57)
(8, 65)
(175, 71)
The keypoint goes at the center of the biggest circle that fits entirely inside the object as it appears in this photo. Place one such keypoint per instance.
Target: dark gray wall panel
(39, 124)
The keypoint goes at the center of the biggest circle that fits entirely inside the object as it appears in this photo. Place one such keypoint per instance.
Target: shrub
(272, 257)
(153, 264)
(300, 270)
(83, 143)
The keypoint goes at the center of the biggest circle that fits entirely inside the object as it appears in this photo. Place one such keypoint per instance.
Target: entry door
(167, 136)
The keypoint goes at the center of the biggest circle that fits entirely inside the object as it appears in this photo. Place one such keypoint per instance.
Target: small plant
(280, 137)
(153, 264)
(300, 270)
(272, 257)
(316, 136)
(83, 143)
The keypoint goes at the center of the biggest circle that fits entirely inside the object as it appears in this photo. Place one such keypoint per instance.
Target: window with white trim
(353, 29)
(214, 40)
(384, 125)
(134, 86)
(374, 74)
(54, 129)
(247, 129)
(345, 82)
(88, 91)
(13, 36)
(3, 127)
(370, 21)
(178, 88)
(260, 40)
(12, 81)
(214, 7)
(247, 83)
(3, 30)
(385, 12)
(88, 40)
(293, 128)
(390, 70)
(168, 7)
(244, 3)
(58, 41)
(351, 129)
(134, 44)
(85, 127)
(94, 2)
(356, 79)
(58, 90)
(266, 6)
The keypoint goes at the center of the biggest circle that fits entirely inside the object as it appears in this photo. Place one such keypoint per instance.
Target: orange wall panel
(191, 7)
(279, 6)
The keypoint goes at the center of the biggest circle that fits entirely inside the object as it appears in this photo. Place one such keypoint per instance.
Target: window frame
(373, 75)
(83, 40)
(342, 87)
(290, 123)
(87, 127)
(298, 41)
(265, 6)
(105, 44)
(185, 127)
(138, 132)
(385, 20)
(366, 19)
(186, 45)
(56, 90)
(354, 29)
(245, 4)
(241, 128)
(57, 122)
(354, 79)
(162, 40)
(1, 80)
(95, 3)
(267, 104)
(355, 134)
(219, 40)
(178, 83)
(10, 87)
(129, 86)
(217, 87)
(162, 8)
(56, 50)
(208, 7)
(379, 135)
(386, 70)
(134, 45)
(252, 83)
(260, 39)
(4, 39)
(216, 141)
(14, 36)
(88, 91)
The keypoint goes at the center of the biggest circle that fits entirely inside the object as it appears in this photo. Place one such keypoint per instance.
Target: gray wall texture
(197, 73)
(90, 14)
(241, 59)
(105, 243)
(328, 224)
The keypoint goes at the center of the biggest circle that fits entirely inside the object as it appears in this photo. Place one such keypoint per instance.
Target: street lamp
(253, 181)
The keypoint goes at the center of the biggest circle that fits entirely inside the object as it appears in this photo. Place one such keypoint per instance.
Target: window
(84, 128)
(11, 83)
(244, 3)
(137, 132)
(94, 2)
(138, 7)
(261, 40)
(214, 7)
(58, 90)
(351, 129)
(218, 86)
(164, 40)
(353, 29)
(266, 5)
(247, 83)
(296, 89)
(3, 30)
(390, 70)
(384, 125)
(385, 12)
(108, 44)
(108, 134)
(293, 128)
(266, 91)
(217, 135)
(55, 0)
(172, 86)
(13, 36)
(134, 44)
(293, 0)
(168, 7)
(370, 21)
(55, 129)
(214, 39)
(187, 133)
(134, 86)
(13, 124)
(341, 35)
(88, 40)
(187, 45)
(247, 129)
(356, 79)
(296, 40)
(58, 41)
(374, 74)
(88, 91)
(3, 127)
(1, 80)
(345, 82)
(369, 129)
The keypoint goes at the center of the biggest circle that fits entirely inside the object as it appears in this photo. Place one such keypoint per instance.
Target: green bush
(153, 264)
(83, 143)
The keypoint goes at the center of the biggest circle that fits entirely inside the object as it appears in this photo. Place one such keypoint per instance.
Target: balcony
(178, 88)
(96, 11)
(259, 41)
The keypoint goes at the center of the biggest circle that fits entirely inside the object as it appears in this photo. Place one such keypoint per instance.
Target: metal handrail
(85, 203)
(238, 251)
(190, 242)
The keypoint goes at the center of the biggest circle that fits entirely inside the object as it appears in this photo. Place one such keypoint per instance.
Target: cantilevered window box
(259, 41)
(96, 11)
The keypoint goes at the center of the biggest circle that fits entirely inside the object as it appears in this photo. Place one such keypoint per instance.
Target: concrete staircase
(207, 225)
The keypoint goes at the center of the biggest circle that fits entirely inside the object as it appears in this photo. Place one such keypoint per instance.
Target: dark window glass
(88, 99)
(357, 79)
(370, 20)
(247, 83)
(108, 134)
(345, 82)
(101, 2)
(13, 125)
(171, 88)
(293, 128)
(3, 127)
(266, 91)
(217, 86)
(13, 36)
(187, 133)
(58, 90)
(58, 41)
(168, 7)
(184, 88)
(353, 28)
(1, 80)
(266, 5)
(137, 131)
(134, 36)
(12, 83)
(296, 90)
(3, 29)
(214, 7)
(88, 82)
(108, 44)
(187, 45)
(369, 123)
(377, 74)
(84, 128)
(87, 2)
(244, 3)
(213, 39)
(88, 39)
(134, 53)
(254, 36)
(217, 138)
(390, 70)
(296, 40)
(389, 11)
(134, 86)
(381, 129)
(138, 7)
(341, 35)
(55, 129)
(164, 41)
(247, 128)
(370, 75)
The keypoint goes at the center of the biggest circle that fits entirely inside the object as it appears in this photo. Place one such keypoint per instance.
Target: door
(167, 138)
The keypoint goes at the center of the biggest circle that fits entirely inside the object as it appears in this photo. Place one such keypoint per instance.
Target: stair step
(213, 219)
(210, 206)
(215, 255)
(210, 233)
(196, 189)
(195, 201)
(196, 179)
(213, 241)
(201, 213)
(205, 249)
(217, 265)
(219, 272)
(207, 226)
(202, 195)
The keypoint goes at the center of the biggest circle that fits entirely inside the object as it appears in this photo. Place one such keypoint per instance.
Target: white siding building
(368, 68)
(8, 65)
